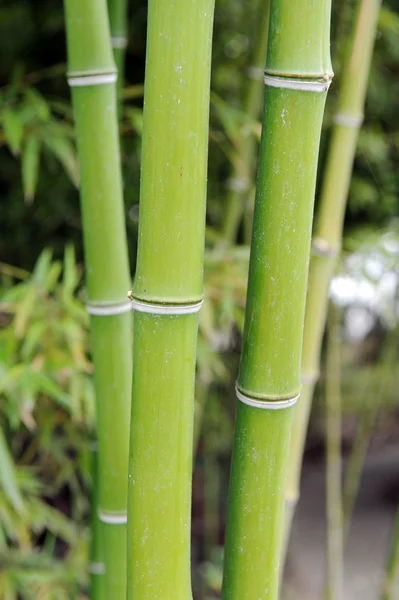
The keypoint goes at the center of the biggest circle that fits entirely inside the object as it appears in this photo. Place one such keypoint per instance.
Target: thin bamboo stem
(169, 287)
(92, 78)
(97, 565)
(242, 179)
(392, 567)
(298, 73)
(334, 570)
(328, 233)
(117, 11)
(364, 429)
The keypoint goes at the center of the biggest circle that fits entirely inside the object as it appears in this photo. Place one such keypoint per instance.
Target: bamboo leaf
(42, 267)
(13, 130)
(8, 478)
(30, 167)
(64, 151)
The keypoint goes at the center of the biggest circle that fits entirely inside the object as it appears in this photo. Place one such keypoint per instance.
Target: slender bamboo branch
(392, 568)
(97, 565)
(365, 427)
(167, 295)
(92, 77)
(241, 181)
(328, 235)
(117, 11)
(334, 570)
(297, 77)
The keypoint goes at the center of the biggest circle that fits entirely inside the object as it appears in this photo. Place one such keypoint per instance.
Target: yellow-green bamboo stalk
(241, 182)
(297, 77)
(334, 555)
(92, 77)
(167, 295)
(328, 233)
(117, 10)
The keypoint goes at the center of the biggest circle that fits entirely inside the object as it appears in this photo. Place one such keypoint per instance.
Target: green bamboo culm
(92, 77)
(298, 74)
(167, 295)
(117, 11)
(329, 226)
(334, 552)
(242, 179)
(96, 565)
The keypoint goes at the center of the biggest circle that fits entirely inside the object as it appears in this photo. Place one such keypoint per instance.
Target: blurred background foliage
(47, 413)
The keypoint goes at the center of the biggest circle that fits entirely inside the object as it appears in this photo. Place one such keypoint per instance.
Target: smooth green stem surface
(257, 481)
(334, 571)
(169, 272)
(270, 366)
(107, 269)
(161, 457)
(329, 226)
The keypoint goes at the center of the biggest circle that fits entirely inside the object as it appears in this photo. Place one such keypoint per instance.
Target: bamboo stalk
(97, 565)
(167, 295)
(334, 571)
(297, 76)
(328, 234)
(242, 179)
(392, 568)
(92, 78)
(117, 11)
(364, 429)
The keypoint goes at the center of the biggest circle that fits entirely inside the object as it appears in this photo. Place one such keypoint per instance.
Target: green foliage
(31, 124)
(46, 418)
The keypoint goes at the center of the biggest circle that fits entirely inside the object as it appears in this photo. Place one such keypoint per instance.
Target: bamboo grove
(144, 341)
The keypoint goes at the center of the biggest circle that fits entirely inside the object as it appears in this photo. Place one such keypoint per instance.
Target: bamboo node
(112, 518)
(163, 309)
(96, 568)
(266, 404)
(108, 309)
(303, 85)
(119, 42)
(87, 79)
(322, 247)
(348, 120)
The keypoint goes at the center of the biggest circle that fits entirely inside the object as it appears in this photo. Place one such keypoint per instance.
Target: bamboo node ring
(112, 518)
(304, 85)
(107, 310)
(119, 42)
(348, 120)
(163, 309)
(90, 79)
(96, 568)
(321, 247)
(266, 404)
